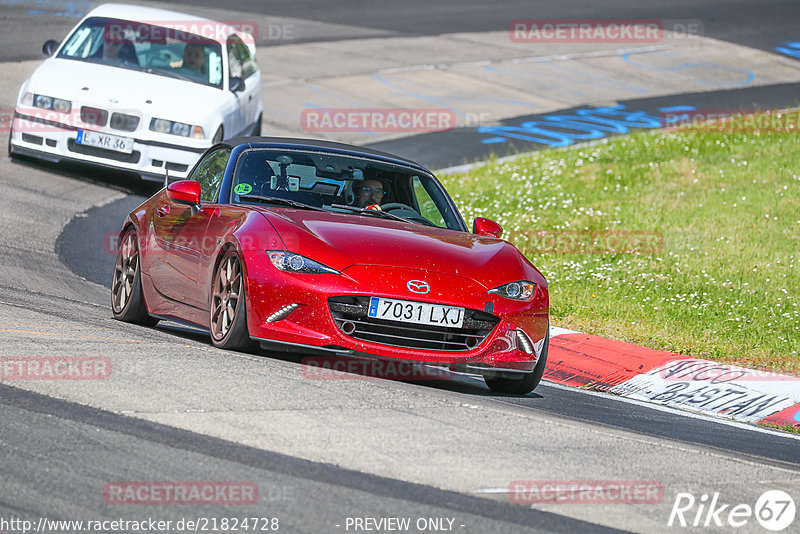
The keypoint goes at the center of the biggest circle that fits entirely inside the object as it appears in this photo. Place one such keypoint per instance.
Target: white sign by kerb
(713, 388)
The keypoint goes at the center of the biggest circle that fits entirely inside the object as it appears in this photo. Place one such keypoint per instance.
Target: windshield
(342, 184)
(146, 47)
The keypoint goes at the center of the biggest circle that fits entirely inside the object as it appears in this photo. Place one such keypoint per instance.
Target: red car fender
(255, 233)
(139, 218)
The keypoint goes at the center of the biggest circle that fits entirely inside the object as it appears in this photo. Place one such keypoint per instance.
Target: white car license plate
(404, 311)
(101, 140)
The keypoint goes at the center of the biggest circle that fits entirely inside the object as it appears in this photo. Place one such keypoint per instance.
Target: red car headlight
(521, 290)
(295, 263)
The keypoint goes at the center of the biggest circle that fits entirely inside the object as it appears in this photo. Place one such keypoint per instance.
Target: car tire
(228, 323)
(10, 135)
(257, 126)
(127, 297)
(526, 384)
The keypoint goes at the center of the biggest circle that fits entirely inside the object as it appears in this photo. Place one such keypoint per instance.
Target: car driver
(371, 194)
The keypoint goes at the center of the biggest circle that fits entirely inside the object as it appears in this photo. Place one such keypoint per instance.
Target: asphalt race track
(758, 25)
(79, 241)
(324, 452)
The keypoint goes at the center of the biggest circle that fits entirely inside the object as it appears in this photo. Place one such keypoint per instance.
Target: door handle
(163, 210)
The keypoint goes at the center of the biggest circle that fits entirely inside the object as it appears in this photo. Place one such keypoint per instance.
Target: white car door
(228, 105)
(243, 65)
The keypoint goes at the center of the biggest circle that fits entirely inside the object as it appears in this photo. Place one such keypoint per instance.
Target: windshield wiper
(283, 201)
(367, 211)
(170, 74)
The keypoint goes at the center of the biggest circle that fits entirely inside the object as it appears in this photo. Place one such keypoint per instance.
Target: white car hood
(121, 89)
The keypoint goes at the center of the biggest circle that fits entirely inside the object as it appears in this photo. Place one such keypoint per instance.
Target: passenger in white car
(194, 58)
(116, 50)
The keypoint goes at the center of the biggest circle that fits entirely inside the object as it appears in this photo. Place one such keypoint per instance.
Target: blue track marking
(559, 130)
(790, 49)
(597, 79)
(527, 79)
(749, 75)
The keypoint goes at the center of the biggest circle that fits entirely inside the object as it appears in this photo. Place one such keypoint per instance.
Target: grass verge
(715, 270)
(788, 428)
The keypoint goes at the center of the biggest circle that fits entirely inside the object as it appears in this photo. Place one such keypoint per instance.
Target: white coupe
(140, 89)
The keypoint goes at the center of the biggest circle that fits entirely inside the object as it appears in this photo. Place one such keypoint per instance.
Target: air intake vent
(95, 116)
(124, 122)
(350, 315)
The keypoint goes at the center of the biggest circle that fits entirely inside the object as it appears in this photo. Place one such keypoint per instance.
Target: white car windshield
(146, 47)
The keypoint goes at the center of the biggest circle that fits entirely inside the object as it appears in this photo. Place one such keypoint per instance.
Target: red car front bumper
(310, 323)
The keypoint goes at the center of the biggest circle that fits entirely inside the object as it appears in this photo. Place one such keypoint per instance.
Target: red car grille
(350, 315)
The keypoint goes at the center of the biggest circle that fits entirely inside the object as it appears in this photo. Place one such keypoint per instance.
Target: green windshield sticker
(243, 189)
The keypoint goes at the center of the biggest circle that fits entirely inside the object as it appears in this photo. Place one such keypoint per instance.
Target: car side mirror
(185, 192)
(482, 226)
(237, 84)
(49, 47)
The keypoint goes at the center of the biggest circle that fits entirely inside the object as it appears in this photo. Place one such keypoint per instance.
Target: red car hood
(342, 240)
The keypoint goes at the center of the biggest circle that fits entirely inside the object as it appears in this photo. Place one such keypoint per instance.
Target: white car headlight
(44, 102)
(295, 263)
(161, 125)
(521, 290)
(177, 128)
(48, 102)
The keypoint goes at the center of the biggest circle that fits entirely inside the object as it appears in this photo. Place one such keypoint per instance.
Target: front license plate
(101, 140)
(404, 311)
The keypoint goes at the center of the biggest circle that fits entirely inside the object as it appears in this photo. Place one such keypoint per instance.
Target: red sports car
(332, 249)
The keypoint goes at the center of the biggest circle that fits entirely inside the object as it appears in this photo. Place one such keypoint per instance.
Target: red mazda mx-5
(334, 249)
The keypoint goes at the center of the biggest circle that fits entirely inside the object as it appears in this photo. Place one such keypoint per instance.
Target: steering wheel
(161, 60)
(413, 215)
(397, 206)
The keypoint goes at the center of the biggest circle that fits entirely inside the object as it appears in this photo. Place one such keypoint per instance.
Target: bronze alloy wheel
(127, 298)
(125, 271)
(228, 313)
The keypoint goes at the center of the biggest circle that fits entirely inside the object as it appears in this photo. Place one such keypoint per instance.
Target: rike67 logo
(774, 510)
